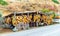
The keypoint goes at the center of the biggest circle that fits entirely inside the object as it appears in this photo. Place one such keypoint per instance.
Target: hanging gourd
(55, 1)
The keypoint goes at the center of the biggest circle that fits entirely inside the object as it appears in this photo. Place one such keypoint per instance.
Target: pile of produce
(44, 13)
(39, 18)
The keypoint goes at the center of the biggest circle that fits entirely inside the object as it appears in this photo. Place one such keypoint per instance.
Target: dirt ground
(5, 30)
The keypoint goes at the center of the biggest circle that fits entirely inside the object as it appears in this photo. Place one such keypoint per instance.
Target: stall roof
(6, 14)
(9, 13)
(26, 12)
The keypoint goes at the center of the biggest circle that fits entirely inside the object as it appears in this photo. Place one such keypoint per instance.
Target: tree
(55, 1)
(2, 2)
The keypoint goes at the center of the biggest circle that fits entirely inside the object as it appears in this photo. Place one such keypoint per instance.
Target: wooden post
(37, 21)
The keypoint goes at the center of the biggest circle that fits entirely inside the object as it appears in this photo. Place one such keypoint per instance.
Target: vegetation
(55, 1)
(2, 2)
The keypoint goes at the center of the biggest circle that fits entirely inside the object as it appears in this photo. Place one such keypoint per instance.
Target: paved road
(52, 30)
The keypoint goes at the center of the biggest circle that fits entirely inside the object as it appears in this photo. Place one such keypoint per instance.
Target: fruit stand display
(25, 15)
(26, 20)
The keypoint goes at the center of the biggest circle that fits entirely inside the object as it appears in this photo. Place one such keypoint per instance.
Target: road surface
(52, 30)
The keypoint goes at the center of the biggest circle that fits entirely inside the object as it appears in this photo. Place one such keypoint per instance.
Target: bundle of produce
(14, 22)
(8, 20)
(49, 14)
(37, 18)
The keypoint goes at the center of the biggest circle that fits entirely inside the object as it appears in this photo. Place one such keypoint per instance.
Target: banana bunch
(30, 16)
(14, 22)
(8, 20)
(25, 19)
(48, 19)
(44, 17)
(36, 18)
(19, 18)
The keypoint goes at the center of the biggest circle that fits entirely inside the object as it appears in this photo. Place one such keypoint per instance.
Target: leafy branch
(55, 1)
(2, 2)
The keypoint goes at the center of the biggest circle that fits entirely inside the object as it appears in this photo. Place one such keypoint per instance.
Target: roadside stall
(22, 15)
